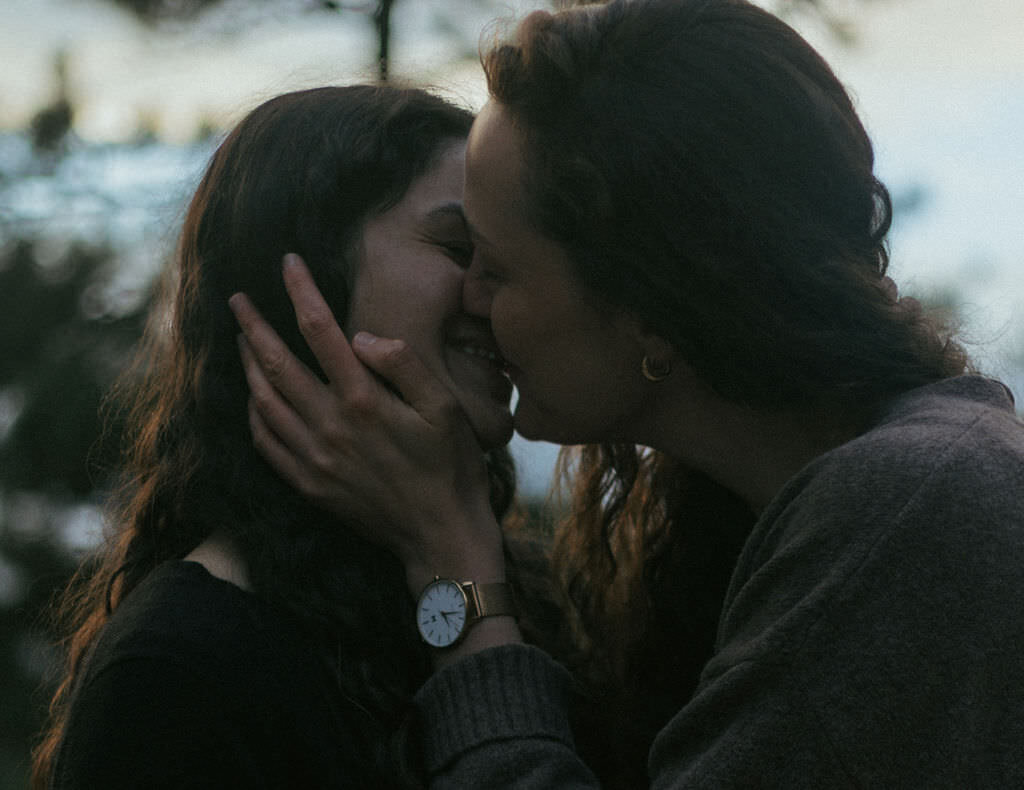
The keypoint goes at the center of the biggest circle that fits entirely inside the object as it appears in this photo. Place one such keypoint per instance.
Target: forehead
(494, 162)
(441, 183)
(494, 141)
(430, 209)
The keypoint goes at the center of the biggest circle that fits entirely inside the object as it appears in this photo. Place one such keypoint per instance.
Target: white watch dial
(441, 614)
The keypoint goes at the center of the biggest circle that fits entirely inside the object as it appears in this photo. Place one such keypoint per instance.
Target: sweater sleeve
(499, 719)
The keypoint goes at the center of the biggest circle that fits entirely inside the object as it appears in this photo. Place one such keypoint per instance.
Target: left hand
(407, 471)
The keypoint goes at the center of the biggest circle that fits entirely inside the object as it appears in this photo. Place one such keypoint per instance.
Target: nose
(476, 295)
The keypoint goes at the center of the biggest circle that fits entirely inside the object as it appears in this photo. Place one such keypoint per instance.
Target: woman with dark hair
(229, 633)
(797, 539)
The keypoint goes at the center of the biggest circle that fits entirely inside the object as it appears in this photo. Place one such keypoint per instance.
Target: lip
(483, 352)
(481, 346)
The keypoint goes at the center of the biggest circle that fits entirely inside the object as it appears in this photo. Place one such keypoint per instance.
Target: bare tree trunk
(383, 20)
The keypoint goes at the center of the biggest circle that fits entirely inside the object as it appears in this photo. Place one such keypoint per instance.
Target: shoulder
(953, 441)
(186, 631)
(927, 501)
(183, 614)
(187, 643)
(193, 680)
(924, 430)
(882, 589)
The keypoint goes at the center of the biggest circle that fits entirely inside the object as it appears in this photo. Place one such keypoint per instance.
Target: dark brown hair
(706, 172)
(299, 174)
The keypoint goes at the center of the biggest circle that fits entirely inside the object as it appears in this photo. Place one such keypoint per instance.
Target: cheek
(500, 325)
(589, 361)
(411, 304)
(520, 325)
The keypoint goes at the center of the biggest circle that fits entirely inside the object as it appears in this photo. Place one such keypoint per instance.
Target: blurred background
(109, 110)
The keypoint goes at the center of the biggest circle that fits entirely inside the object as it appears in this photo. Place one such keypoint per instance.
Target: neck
(218, 555)
(752, 453)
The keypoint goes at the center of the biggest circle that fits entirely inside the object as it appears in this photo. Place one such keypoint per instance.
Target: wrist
(458, 618)
(418, 576)
(489, 632)
(473, 553)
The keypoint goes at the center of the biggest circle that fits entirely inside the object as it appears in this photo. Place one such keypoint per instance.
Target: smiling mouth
(484, 353)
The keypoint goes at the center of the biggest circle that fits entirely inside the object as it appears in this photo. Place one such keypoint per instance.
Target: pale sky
(121, 71)
(940, 84)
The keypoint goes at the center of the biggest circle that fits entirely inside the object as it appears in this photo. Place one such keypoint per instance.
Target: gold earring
(655, 371)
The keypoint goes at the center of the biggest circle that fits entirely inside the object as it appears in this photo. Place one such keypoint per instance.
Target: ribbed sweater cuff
(512, 691)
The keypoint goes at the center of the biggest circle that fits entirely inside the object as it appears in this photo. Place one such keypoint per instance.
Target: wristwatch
(447, 609)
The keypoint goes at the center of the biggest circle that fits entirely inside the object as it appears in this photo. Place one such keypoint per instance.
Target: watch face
(441, 613)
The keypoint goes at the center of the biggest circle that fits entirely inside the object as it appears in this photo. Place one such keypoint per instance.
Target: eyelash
(461, 254)
(487, 274)
(487, 271)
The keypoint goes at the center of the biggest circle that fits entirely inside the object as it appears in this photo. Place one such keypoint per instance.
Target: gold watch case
(447, 608)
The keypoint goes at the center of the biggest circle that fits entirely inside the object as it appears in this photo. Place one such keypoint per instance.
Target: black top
(197, 683)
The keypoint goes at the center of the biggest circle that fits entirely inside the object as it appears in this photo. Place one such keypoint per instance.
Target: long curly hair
(300, 173)
(706, 172)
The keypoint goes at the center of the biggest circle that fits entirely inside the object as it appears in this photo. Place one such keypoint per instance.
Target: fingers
(286, 442)
(398, 364)
(271, 361)
(316, 322)
(275, 452)
(277, 414)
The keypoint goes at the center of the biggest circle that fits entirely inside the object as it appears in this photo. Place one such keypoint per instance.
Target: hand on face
(406, 471)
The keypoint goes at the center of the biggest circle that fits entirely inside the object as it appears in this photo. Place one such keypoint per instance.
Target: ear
(652, 346)
(656, 348)
(658, 354)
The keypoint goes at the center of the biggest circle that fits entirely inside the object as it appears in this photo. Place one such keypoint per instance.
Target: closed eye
(489, 275)
(444, 227)
(461, 254)
(486, 272)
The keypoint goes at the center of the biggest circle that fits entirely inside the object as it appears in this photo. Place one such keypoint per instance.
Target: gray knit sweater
(872, 635)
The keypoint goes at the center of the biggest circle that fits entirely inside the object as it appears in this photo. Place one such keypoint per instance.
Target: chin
(496, 436)
(492, 430)
(535, 429)
(533, 434)
(532, 427)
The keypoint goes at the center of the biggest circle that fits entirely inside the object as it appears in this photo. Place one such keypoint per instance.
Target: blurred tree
(154, 12)
(834, 14)
(58, 356)
(31, 568)
(62, 343)
(51, 125)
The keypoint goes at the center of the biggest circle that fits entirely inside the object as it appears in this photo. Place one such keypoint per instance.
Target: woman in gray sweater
(796, 552)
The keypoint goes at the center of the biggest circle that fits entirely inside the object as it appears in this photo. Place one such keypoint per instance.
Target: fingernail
(291, 259)
(364, 339)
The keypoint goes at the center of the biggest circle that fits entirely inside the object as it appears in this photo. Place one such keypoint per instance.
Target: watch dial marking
(442, 613)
